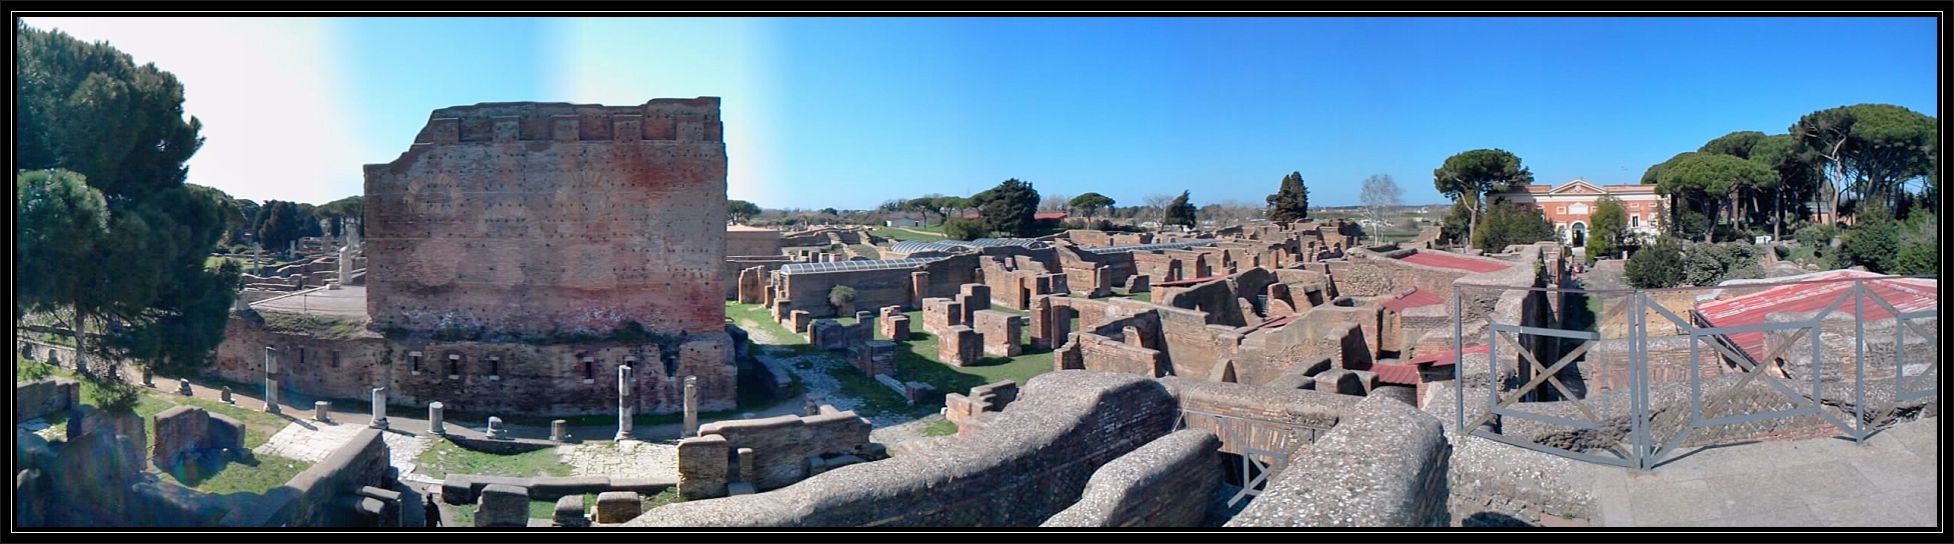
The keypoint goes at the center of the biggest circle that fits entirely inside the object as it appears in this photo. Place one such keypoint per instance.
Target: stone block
(702, 467)
(1002, 332)
(618, 506)
(1138, 283)
(1340, 381)
(874, 358)
(959, 345)
(502, 505)
(896, 328)
(799, 320)
(569, 512)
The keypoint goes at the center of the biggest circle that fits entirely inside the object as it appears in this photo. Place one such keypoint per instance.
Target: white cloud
(629, 61)
(270, 93)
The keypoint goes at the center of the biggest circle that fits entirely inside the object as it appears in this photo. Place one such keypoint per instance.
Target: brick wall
(1167, 483)
(1384, 466)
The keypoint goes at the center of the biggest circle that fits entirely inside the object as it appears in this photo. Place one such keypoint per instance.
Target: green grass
(255, 474)
(908, 236)
(1143, 296)
(27, 371)
(445, 458)
(212, 262)
(325, 327)
(941, 427)
(916, 361)
(464, 515)
(866, 250)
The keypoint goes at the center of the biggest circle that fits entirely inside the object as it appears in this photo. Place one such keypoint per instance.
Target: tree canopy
(1469, 175)
(1736, 144)
(1380, 193)
(120, 129)
(1180, 211)
(1867, 150)
(1709, 179)
(1290, 201)
(1090, 203)
(741, 211)
(1508, 224)
(1607, 229)
(1010, 208)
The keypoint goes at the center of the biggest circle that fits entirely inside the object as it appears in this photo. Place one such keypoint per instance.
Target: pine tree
(1291, 201)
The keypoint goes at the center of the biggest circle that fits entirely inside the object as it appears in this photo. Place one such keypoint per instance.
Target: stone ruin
(754, 455)
(188, 438)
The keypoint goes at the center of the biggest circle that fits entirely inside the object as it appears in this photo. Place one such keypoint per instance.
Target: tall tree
(64, 223)
(1468, 176)
(1091, 202)
(1711, 178)
(1290, 201)
(1379, 195)
(1737, 144)
(1010, 208)
(1508, 224)
(1797, 179)
(280, 226)
(89, 109)
(1866, 150)
(1180, 212)
(1607, 229)
(1157, 205)
(741, 211)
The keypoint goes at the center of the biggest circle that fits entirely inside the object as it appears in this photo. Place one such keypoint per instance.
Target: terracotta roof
(1905, 294)
(1443, 260)
(1049, 215)
(1396, 374)
(1412, 299)
(1446, 358)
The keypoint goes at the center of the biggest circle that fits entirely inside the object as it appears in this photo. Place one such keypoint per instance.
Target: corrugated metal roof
(911, 246)
(851, 266)
(1146, 247)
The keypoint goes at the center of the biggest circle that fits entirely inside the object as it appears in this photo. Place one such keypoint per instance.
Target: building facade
(1569, 205)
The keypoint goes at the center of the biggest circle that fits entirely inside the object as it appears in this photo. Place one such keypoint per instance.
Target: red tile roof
(1412, 299)
(1446, 358)
(1396, 374)
(1443, 260)
(1049, 215)
(1905, 294)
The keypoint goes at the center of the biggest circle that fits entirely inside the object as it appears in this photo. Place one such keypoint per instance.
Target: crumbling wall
(781, 445)
(45, 397)
(1384, 466)
(1030, 462)
(1167, 483)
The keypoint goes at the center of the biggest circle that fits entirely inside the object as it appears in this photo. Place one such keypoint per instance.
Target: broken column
(691, 422)
(434, 419)
(559, 430)
(379, 408)
(183, 386)
(271, 382)
(148, 377)
(495, 429)
(623, 402)
(225, 396)
(322, 411)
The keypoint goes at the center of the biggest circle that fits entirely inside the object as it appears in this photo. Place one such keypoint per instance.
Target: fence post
(1635, 312)
(1458, 357)
(1859, 362)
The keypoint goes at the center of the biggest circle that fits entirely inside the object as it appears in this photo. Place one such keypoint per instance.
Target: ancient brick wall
(45, 397)
(1025, 465)
(781, 444)
(748, 241)
(1262, 418)
(1167, 483)
(185, 429)
(1215, 298)
(730, 272)
(530, 218)
(486, 378)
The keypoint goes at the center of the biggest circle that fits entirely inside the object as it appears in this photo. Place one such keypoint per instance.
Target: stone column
(495, 429)
(345, 265)
(813, 407)
(322, 411)
(623, 402)
(271, 381)
(559, 430)
(434, 419)
(183, 386)
(747, 473)
(691, 427)
(226, 396)
(148, 377)
(379, 408)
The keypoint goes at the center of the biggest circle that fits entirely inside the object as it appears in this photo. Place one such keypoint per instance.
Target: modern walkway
(1891, 480)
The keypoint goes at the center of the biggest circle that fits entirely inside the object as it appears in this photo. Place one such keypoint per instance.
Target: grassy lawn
(866, 250)
(212, 262)
(1143, 296)
(27, 371)
(908, 236)
(444, 458)
(254, 474)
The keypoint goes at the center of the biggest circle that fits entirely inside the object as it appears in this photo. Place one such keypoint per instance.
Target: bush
(963, 229)
(1815, 235)
(1655, 266)
(1711, 264)
(1874, 242)
(1506, 224)
(841, 296)
(1783, 253)
(1917, 259)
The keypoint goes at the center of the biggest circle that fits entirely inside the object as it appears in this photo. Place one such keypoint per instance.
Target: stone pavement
(1891, 480)
(308, 440)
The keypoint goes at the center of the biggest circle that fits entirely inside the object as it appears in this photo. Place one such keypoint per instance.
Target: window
(589, 369)
(1634, 220)
(335, 358)
(301, 355)
(414, 357)
(1560, 209)
(454, 364)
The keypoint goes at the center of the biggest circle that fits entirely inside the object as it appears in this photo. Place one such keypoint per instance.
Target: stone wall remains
(1167, 483)
(1384, 466)
(45, 397)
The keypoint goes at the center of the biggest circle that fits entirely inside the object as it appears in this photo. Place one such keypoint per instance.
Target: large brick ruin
(518, 253)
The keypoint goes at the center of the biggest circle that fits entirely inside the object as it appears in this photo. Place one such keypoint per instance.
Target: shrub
(963, 229)
(1506, 224)
(841, 296)
(1917, 259)
(1657, 265)
(1711, 264)
(1815, 235)
(1873, 242)
(1783, 253)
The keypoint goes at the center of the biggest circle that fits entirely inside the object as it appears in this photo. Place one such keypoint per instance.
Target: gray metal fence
(1627, 436)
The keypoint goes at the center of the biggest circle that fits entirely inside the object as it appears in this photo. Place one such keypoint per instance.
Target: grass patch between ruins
(444, 458)
(941, 427)
(254, 474)
(916, 361)
(321, 326)
(866, 250)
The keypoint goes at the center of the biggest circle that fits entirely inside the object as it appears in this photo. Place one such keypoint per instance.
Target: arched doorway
(1580, 235)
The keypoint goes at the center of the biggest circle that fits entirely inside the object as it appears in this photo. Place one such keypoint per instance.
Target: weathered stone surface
(502, 506)
(530, 231)
(781, 444)
(189, 431)
(45, 397)
(874, 358)
(1169, 482)
(703, 467)
(1384, 466)
(959, 346)
(618, 506)
(569, 512)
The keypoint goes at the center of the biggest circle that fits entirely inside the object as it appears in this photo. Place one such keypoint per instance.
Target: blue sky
(847, 113)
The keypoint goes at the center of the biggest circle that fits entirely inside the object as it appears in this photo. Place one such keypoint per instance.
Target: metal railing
(1642, 449)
